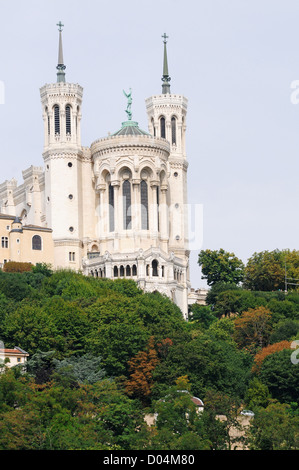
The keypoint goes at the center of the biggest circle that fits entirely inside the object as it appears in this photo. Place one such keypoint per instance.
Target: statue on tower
(129, 97)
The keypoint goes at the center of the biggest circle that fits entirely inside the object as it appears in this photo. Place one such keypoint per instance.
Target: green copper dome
(130, 128)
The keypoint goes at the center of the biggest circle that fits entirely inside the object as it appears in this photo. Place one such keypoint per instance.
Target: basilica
(115, 209)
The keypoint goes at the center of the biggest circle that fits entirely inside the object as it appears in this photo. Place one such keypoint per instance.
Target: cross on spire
(165, 38)
(60, 26)
(166, 77)
(60, 67)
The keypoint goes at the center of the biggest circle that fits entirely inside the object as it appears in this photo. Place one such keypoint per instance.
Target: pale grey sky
(234, 60)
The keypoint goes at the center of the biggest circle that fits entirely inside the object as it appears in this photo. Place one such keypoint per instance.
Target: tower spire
(166, 78)
(60, 67)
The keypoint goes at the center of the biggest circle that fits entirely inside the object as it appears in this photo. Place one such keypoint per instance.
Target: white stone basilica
(119, 207)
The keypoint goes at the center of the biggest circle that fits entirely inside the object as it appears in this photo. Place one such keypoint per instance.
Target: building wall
(18, 242)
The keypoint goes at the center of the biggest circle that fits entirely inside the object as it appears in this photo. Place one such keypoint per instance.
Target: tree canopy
(220, 265)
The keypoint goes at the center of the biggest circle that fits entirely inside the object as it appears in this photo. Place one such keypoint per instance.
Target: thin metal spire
(166, 78)
(60, 67)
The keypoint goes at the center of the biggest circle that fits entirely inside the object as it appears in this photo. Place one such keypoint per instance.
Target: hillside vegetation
(103, 354)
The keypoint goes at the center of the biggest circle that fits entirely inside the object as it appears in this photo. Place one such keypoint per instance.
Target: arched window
(162, 127)
(111, 208)
(155, 267)
(173, 130)
(57, 119)
(134, 270)
(128, 271)
(144, 205)
(121, 271)
(115, 271)
(36, 242)
(127, 205)
(68, 119)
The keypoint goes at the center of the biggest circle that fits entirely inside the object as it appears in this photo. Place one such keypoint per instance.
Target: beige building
(13, 357)
(24, 243)
(117, 208)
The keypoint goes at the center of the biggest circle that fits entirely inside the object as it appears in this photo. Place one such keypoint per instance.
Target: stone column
(164, 218)
(154, 210)
(135, 205)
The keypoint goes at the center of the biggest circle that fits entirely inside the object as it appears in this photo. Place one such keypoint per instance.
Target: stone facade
(24, 243)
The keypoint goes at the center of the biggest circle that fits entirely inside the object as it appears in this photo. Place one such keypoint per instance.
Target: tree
(220, 265)
(202, 315)
(80, 369)
(252, 329)
(274, 428)
(218, 405)
(257, 394)
(271, 349)
(265, 271)
(17, 267)
(141, 367)
(281, 376)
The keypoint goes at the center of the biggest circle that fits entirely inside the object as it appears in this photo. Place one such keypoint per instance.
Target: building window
(4, 242)
(144, 205)
(71, 256)
(68, 119)
(162, 127)
(111, 208)
(57, 119)
(173, 130)
(127, 205)
(134, 270)
(36, 242)
(128, 271)
(115, 271)
(155, 267)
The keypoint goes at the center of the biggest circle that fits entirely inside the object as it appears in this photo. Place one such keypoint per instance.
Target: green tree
(86, 369)
(257, 394)
(220, 265)
(265, 271)
(218, 405)
(281, 376)
(202, 315)
(274, 428)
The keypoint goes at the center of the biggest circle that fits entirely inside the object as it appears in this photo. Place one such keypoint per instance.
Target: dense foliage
(105, 358)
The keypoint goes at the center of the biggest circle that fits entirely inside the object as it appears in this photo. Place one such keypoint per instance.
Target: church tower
(61, 105)
(167, 119)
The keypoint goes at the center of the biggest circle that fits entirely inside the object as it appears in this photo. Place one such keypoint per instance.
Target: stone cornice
(178, 163)
(62, 152)
(127, 145)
